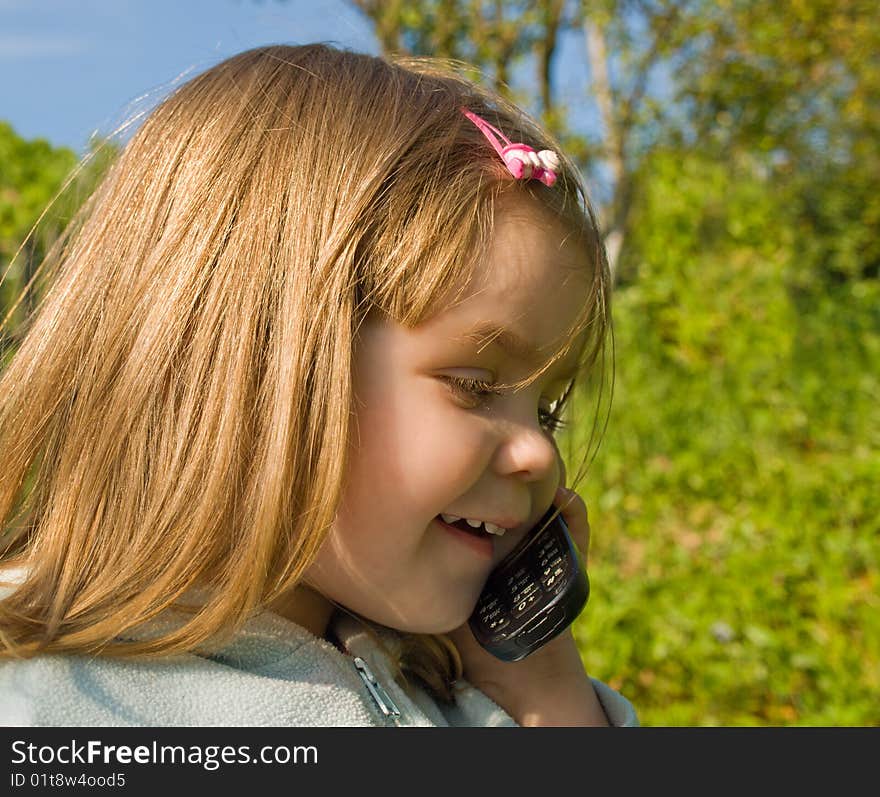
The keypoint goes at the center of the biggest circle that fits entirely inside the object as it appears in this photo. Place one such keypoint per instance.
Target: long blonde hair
(178, 411)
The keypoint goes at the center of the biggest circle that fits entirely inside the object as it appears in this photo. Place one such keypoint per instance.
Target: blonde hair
(181, 402)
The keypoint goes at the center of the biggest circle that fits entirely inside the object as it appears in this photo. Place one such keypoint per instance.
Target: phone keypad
(554, 575)
(522, 606)
(548, 563)
(527, 591)
(497, 623)
(552, 565)
(543, 570)
(493, 615)
(531, 595)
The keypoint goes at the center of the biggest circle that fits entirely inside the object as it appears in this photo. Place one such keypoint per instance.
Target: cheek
(414, 448)
(406, 471)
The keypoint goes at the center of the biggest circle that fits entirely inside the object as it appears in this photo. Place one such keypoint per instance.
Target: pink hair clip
(522, 161)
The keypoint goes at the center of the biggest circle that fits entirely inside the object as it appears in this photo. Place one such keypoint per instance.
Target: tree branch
(614, 148)
(546, 47)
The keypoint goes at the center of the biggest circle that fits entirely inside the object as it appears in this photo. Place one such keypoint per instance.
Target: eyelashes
(483, 391)
(475, 387)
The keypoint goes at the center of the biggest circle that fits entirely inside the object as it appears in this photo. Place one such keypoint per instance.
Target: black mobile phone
(533, 594)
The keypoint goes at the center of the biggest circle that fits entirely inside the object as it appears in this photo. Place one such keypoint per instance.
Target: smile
(476, 539)
(472, 526)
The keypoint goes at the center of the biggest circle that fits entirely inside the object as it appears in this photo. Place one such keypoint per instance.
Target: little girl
(319, 318)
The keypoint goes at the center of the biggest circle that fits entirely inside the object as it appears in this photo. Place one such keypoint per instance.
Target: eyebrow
(490, 334)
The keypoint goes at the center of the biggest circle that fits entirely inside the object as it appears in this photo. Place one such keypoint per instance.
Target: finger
(574, 512)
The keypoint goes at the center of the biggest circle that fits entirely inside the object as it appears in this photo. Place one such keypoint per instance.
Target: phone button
(554, 576)
(524, 593)
(489, 604)
(495, 626)
(526, 603)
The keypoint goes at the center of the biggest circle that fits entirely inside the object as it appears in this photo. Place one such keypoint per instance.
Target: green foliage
(36, 177)
(30, 174)
(734, 500)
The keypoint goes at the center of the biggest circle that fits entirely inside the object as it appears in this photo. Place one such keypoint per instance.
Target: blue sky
(69, 68)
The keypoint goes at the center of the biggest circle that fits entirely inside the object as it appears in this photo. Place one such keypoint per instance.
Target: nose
(529, 453)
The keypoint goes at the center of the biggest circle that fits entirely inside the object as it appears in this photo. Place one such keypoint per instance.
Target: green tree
(30, 174)
(736, 546)
(516, 47)
(798, 85)
(796, 81)
(41, 187)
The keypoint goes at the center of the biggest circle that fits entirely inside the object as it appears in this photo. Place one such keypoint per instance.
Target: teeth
(491, 528)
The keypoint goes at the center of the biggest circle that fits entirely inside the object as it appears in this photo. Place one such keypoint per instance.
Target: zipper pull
(385, 703)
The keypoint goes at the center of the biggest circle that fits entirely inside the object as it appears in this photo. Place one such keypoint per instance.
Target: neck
(305, 607)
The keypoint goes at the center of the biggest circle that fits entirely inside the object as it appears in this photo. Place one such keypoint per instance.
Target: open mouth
(475, 538)
(463, 525)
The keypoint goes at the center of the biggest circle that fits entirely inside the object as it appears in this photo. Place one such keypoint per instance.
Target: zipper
(379, 695)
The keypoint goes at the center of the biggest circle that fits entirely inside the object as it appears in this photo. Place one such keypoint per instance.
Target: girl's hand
(550, 686)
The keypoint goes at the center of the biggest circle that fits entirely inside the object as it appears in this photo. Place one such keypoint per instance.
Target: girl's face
(421, 448)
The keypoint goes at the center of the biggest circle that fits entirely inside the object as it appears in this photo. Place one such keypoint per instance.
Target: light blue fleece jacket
(273, 673)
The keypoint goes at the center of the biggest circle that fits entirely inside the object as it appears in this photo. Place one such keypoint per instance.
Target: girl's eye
(475, 392)
(551, 419)
(482, 391)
